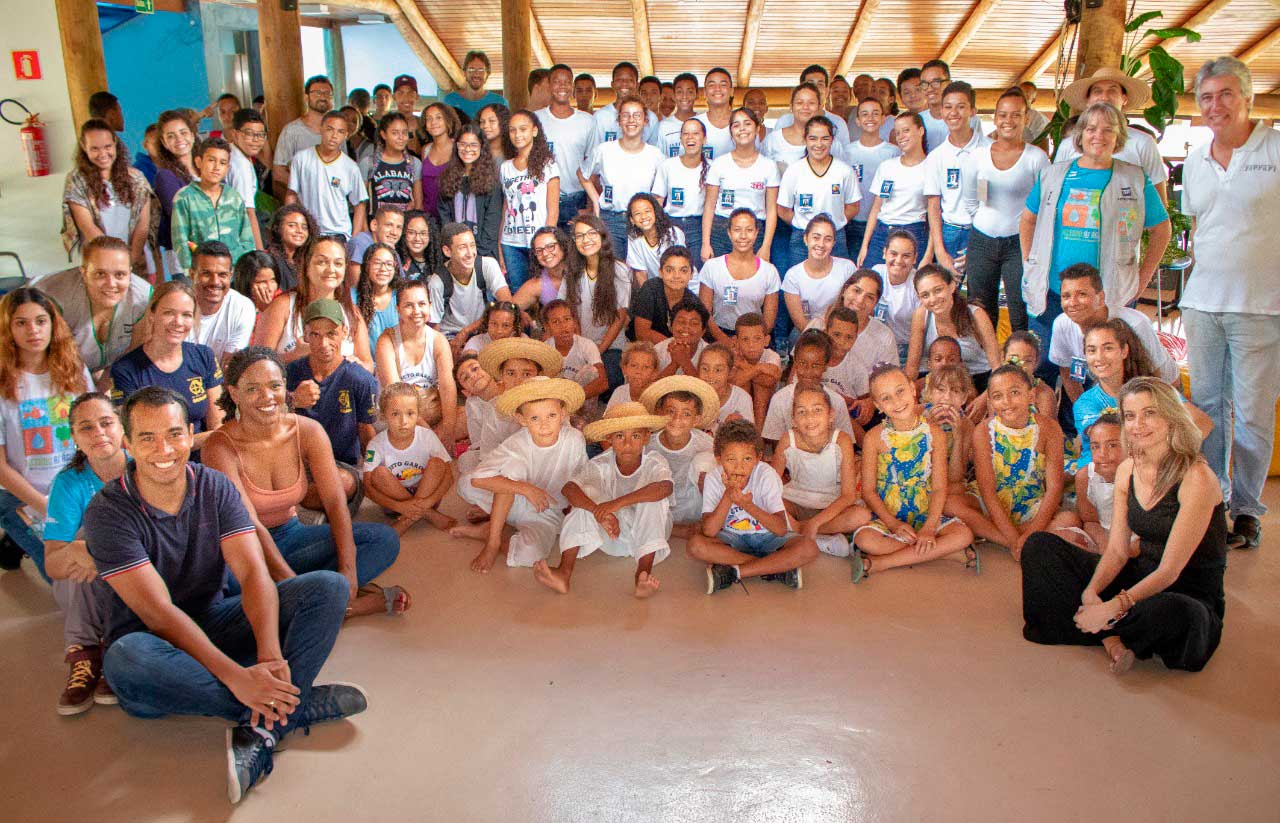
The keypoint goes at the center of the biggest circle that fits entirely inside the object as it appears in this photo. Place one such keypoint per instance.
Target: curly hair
(434, 257)
(662, 224)
(238, 365)
(364, 286)
(120, 167)
(452, 124)
(479, 179)
(167, 159)
(540, 154)
(61, 358)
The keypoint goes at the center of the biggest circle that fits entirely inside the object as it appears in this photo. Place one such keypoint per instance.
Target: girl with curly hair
(441, 124)
(374, 294)
(650, 232)
(469, 192)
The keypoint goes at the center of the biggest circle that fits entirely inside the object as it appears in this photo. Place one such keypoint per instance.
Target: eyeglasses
(383, 265)
(586, 234)
(932, 84)
(253, 135)
(418, 235)
(546, 248)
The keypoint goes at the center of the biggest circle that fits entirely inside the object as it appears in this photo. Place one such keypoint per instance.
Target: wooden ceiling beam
(1263, 45)
(750, 33)
(977, 16)
(541, 51)
(640, 25)
(858, 33)
(1047, 56)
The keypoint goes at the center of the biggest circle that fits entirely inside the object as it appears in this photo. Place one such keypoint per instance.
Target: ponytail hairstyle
(821, 121)
(236, 367)
(79, 460)
(919, 121)
(702, 177)
(960, 316)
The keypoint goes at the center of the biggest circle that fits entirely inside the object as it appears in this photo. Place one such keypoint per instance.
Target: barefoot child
(406, 467)
(1018, 457)
(1096, 486)
(744, 529)
(521, 483)
(904, 482)
(679, 353)
(757, 369)
(621, 502)
(822, 488)
(689, 406)
(715, 367)
(639, 369)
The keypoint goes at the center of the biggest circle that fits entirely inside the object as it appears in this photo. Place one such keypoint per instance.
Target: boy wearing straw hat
(521, 483)
(620, 502)
(690, 406)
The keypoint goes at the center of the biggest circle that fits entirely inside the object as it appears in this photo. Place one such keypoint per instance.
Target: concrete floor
(910, 697)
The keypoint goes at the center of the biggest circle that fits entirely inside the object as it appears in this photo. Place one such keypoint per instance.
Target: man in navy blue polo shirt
(163, 537)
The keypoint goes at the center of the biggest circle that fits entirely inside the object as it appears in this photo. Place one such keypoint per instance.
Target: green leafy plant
(1166, 70)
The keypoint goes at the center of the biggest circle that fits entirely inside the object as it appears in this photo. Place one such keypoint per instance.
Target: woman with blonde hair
(1166, 599)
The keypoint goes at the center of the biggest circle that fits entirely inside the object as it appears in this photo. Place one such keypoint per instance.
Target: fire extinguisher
(34, 145)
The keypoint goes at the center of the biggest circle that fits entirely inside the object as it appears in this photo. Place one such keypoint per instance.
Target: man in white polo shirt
(1125, 93)
(1231, 308)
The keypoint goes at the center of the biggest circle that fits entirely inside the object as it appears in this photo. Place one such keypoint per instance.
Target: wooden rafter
(420, 37)
(858, 33)
(640, 24)
(1263, 45)
(418, 21)
(541, 51)
(1046, 57)
(977, 16)
(750, 32)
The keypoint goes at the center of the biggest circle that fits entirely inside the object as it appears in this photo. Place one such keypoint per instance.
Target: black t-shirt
(650, 302)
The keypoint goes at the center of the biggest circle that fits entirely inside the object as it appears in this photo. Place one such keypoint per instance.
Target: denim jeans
(1042, 326)
(517, 260)
(154, 678)
(1226, 350)
(955, 239)
(692, 228)
(311, 548)
(880, 238)
(757, 544)
(720, 243)
(570, 205)
(616, 223)
(13, 525)
(990, 262)
(613, 367)
(780, 248)
(854, 231)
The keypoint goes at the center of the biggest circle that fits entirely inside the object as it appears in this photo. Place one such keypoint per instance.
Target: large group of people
(605, 328)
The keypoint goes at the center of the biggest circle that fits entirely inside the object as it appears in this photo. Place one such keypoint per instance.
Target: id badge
(731, 295)
(1078, 372)
(982, 190)
(882, 311)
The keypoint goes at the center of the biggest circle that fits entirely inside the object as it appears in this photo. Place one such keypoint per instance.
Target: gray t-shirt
(67, 289)
(294, 137)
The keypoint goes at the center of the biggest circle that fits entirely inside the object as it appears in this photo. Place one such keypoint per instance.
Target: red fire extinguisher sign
(26, 65)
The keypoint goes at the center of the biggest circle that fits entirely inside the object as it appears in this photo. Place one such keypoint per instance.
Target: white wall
(31, 207)
(376, 54)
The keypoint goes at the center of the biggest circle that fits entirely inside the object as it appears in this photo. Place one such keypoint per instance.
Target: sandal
(391, 595)
(861, 566)
(972, 559)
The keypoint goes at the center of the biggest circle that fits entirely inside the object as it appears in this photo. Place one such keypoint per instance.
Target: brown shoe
(83, 677)
(102, 694)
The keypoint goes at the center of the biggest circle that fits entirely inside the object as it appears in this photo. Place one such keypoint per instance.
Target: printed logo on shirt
(886, 188)
(707, 152)
(953, 178)
(610, 136)
(1080, 213)
(757, 185)
(335, 182)
(551, 144)
(677, 197)
(195, 388)
(368, 455)
(344, 402)
(1126, 192)
(726, 198)
(857, 169)
(46, 430)
(835, 188)
(882, 311)
(608, 193)
(673, 151)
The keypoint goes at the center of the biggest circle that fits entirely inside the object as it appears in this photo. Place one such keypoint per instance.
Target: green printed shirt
(196, 219)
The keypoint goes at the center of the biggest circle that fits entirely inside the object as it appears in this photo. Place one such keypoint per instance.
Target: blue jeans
(613, 367)
(616, 223)
(757, 544)
(311, 548)
(154, 678)
(692, 228)
(990, 262)
(19, 531)
(880, 238)
(955, 239)
(517, 260)
(720, 243)
(1042, 326)
(570, 205)
(854, 231)
(1225, 351)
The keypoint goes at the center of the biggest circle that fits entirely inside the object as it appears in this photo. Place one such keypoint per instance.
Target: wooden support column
(517, 51)
(750, 33)
(280, 43)
(81, 53)
(1101, 36)
(640, 27)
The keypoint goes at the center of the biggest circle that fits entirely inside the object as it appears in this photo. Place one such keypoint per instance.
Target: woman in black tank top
(1165, 597)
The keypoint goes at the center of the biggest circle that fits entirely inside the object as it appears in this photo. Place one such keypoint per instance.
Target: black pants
(1183, 630)
(989, 261)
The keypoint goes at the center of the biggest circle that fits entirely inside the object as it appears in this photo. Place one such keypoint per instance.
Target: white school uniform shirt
(765, 488)
(936, 130)
(730, 298)
(572, 140)
(817, 293)
(897, 304)
(406, 465)
(230, 328)
(526, 202)
(850, 376)
(901, 191)
(1066, 347)
(327, 190)
(719, 140)
(740, 402)
(477, 342)
(295, 137)
(581, 361)
(777, 422)
(66, 288)
(864, 162)
(680, 188)
(664, 354)
(785, 154)
(622, 173)
(643, 257)
(875, 345)
(1139, 149)
(842, 134)
(607, 131)
(952, 175)
(669, 136)
(242, 177)
(686, 464)
(1002, 194)
(467, 303)
(548, 468)
(586, 294)
(742, 187)
(808, 194)
(1237, 210)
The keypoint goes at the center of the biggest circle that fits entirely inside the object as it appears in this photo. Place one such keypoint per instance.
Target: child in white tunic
(620, 502)
(582, 362)
(690, 406)
(1096, 486)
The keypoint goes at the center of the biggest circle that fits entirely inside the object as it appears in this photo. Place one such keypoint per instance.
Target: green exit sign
(144, 6)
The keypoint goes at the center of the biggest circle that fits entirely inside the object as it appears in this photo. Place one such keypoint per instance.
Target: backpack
(447, 279)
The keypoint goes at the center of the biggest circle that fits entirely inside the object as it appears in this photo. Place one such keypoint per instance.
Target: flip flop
(389, 594)
(972, 559)
(859, 566)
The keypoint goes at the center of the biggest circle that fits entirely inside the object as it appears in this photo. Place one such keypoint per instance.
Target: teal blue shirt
(69, 496)
(472, 107)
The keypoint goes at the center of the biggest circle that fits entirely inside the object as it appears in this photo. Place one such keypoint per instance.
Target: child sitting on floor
(757, 369)
(1096, 486)
(943, 351)
(1022, 349)
(483, 428)
(689, 405)
(521, 483)
(621, 502)
(904, 471)
(639, 369)
(406, 467)
(808, 363)
(501, 320)
(715, 368)
(679, 353)
(744, 530)
(1017, 455)
(822, 487)
(846, 372)
(582, 363)
(947, 390)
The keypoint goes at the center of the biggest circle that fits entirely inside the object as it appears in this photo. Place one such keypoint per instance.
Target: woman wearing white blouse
(680, 185)
(744, 178)
(620, 169)
(899, 193)
(740, 282)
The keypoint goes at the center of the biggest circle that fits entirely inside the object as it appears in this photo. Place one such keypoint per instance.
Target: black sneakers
(332, 701)
(248, 761)
(1246, 533)
(792, 579)
(720, 577)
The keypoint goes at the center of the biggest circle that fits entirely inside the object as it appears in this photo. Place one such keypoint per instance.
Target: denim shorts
(756, 544)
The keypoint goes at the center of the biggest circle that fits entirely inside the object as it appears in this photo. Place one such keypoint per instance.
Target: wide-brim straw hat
(492, 356)
(683, 382)
(1077, 94)
(623, 417)
(541, 388)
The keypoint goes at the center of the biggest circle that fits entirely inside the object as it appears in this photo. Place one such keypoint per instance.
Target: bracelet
(1126, 600)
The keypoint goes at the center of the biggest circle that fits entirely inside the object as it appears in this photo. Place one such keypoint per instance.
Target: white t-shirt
(242, 177)
(1139, 149)
(951, 175)
(622, 394)
(897, 304)
(115, 217)
(622, 173)
(936, 130)
(1066, 348)
(765, 488)
(842, 127)
(327, 190)
(864, 162)
(405, 465)
(739, 402)
(876, 344)
(643, 257)
(467, 303)
(685, 465)
(901, 191)
(719, 140)
(600, 476)
(477, 342)
(776, 147)
(807, 194)
(581, 361)
(586, 319)
(572, 140)
(664, 355)
(230, 328)
(850, 376)
(526, 202)
(730, 299)
(607, 131)
(1002, 195)
(66, 289)
(817, 293)
(680, 188)
(1237, 209)
(742, 187)
(35, 430)
(777, 421)
(669, 136)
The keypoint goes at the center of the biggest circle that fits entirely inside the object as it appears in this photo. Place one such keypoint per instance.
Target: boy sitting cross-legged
(744, 525)
(620, 501)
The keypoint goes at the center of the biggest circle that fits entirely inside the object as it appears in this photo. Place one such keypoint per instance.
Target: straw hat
(1077, 94)
(683, 382)
(622, 417)
(541, 388)
(492, 356)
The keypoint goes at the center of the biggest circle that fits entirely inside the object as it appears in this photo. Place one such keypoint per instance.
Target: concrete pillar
(517, 51)
(81, 53)
(1101, 35)
(280, 44)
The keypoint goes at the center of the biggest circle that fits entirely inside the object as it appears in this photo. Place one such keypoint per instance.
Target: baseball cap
(405, 80)
(326, 308)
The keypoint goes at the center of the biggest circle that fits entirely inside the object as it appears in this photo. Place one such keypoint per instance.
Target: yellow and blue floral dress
(904, 473)
(1019, 469)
